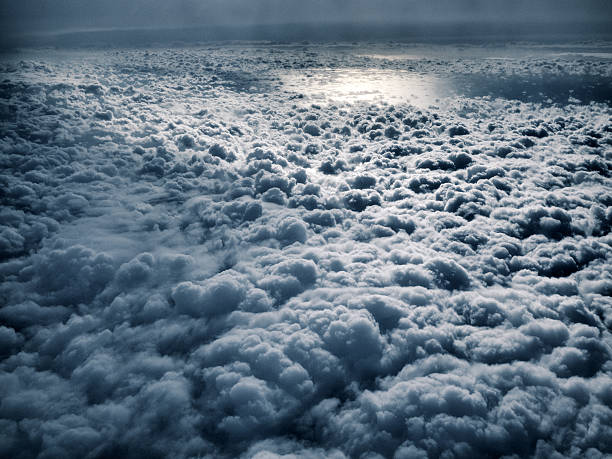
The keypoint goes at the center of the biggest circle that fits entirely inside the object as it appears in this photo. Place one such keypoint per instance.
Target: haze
(32, 16)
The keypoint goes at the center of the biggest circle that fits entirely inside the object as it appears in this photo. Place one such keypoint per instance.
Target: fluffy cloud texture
(198, 261)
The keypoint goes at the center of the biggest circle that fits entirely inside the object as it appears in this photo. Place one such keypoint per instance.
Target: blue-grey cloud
(223, 251)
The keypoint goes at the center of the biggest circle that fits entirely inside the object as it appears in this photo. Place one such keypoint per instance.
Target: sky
(32, 16)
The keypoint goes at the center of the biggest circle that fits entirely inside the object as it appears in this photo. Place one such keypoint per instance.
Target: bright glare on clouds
(354, 85)
(200, 261)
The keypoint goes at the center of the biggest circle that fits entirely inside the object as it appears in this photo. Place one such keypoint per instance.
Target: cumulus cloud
(200, 261)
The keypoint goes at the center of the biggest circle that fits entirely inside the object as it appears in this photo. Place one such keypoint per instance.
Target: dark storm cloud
(36, 15)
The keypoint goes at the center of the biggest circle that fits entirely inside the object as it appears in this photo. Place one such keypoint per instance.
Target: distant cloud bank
(42, 15)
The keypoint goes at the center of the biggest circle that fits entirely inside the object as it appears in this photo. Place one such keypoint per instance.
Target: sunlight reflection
(356, 85)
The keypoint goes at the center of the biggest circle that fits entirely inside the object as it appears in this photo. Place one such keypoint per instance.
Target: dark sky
(25, 16)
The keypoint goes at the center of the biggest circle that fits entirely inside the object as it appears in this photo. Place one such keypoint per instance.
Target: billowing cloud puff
(218, 295)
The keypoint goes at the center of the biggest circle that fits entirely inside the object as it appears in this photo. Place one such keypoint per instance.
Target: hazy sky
(43, 15)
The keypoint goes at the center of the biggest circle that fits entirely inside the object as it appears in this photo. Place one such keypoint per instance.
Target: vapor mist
(40, 15)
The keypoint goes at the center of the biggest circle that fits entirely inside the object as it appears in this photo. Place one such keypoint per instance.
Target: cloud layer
(197, 262)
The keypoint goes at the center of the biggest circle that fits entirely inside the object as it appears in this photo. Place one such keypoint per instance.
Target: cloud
(198, 275)
(218, 295)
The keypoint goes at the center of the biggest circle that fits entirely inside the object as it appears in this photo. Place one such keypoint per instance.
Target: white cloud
(198, 274)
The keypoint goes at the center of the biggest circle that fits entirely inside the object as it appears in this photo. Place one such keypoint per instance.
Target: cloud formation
(200, 261)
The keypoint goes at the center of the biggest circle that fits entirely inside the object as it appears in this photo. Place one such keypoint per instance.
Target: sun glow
(354, 85)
